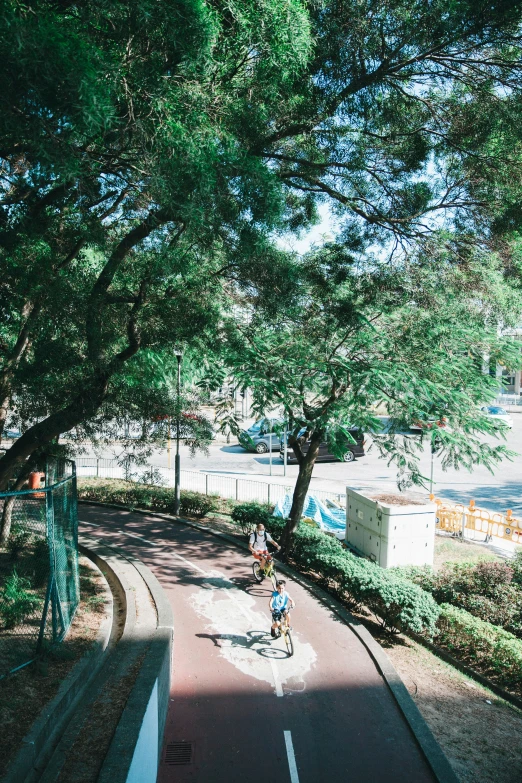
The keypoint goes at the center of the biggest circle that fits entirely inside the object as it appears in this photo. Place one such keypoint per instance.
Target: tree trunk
(302, 484)
(42, 433)
(7, 513)
(5, 400)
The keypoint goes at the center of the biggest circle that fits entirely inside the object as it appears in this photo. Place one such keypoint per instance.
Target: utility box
(391, 530)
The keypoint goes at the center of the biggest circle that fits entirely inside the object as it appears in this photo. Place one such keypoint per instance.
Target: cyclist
(280, 604)
(258, 544)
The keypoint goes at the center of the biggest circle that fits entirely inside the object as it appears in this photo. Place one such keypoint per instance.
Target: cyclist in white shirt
(258, 544)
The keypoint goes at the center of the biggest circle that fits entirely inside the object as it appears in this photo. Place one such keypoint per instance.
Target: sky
(316, 235)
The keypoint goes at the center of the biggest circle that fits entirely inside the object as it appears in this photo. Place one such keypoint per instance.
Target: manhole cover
(178, 753)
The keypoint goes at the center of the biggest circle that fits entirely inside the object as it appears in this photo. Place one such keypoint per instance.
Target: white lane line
(135, 535)
(277, 679)
(294, 777)
(192, 565)
(89, 523)
(250, 617)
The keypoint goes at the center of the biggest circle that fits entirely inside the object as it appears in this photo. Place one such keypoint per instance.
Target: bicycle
(260, 574)
(284, 631)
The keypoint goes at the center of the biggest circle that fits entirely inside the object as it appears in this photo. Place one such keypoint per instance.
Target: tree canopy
(409, 337)
(151, 152)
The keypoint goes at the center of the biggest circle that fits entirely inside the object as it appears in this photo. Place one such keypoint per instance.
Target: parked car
(499, 414)
(420, 425)
(257, 437)
(325, 455)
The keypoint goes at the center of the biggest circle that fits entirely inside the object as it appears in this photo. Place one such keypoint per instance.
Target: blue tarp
(327, 518)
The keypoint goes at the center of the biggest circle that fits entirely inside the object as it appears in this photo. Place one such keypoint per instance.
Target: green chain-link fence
(39, 584)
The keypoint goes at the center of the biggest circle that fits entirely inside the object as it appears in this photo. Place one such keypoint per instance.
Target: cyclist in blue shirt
(280, 604)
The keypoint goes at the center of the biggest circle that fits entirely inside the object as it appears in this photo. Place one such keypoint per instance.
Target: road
(248, 711)
(498, 492)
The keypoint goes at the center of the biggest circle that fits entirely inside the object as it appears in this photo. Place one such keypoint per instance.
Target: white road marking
(251, 618)
(245, 611)
(135, 535)
(294, 777)
(83, 522)
(277, 680)
(192, 565)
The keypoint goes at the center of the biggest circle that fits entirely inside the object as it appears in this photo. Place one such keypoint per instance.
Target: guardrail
(509, 400)
(230, 487)
(456, 518)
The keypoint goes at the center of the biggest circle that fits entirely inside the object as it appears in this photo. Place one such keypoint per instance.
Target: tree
(123, 165)
(135, 128)
(411, 337)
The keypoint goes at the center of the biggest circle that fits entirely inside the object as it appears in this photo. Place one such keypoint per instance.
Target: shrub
(516, 565)
(39, 563)
(249, 515)
(489, 576)
(196, 504)
(399, 604)
(18, 542)
(15, 600)
(145, 496)
(496, 651)
(485, 589)
(503, 610)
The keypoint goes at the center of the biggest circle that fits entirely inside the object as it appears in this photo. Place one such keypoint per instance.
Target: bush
(15, 600)
(145, 496)
(196, 504)
(18, 542)
(38, 563)
(487, 590)
(516, 565)
(399, 604)
(249, 515)
(497, 652)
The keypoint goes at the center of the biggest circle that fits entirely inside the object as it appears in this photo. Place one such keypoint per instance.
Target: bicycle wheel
(258, 574)
(289, 643)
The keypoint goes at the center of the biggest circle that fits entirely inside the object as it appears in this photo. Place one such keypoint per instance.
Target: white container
(390, 534)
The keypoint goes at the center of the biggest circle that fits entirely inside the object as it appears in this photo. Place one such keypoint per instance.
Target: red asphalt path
(251, 713)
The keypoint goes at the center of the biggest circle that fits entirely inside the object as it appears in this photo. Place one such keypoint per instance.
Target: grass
(454, 550)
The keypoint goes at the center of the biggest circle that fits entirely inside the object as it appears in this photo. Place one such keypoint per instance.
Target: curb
(427, 743)
(135, 749)
(39, 744)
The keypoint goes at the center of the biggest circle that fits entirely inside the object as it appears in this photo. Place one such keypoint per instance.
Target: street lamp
(177, 473)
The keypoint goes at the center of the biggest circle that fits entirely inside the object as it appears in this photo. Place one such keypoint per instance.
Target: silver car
(257, 437)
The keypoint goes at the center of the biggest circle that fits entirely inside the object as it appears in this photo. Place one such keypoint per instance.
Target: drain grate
(178, 753)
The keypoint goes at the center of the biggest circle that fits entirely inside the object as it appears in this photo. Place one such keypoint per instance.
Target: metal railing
(39, 580)
(229, 487)
(508, 400)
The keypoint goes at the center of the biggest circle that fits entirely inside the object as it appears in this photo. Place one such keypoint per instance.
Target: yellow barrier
(455, 518)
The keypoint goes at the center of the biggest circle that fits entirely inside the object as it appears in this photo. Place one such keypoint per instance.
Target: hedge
(249, 515)
(496, 652)
(146, 496)
(487, 590)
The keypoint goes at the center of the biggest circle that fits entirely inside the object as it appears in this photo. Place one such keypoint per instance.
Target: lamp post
(177, 472)
(285, 452)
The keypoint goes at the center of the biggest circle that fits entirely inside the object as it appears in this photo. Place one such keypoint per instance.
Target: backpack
(257, 536)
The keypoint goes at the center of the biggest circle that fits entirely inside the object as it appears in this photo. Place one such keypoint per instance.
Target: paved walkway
(251, 713)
